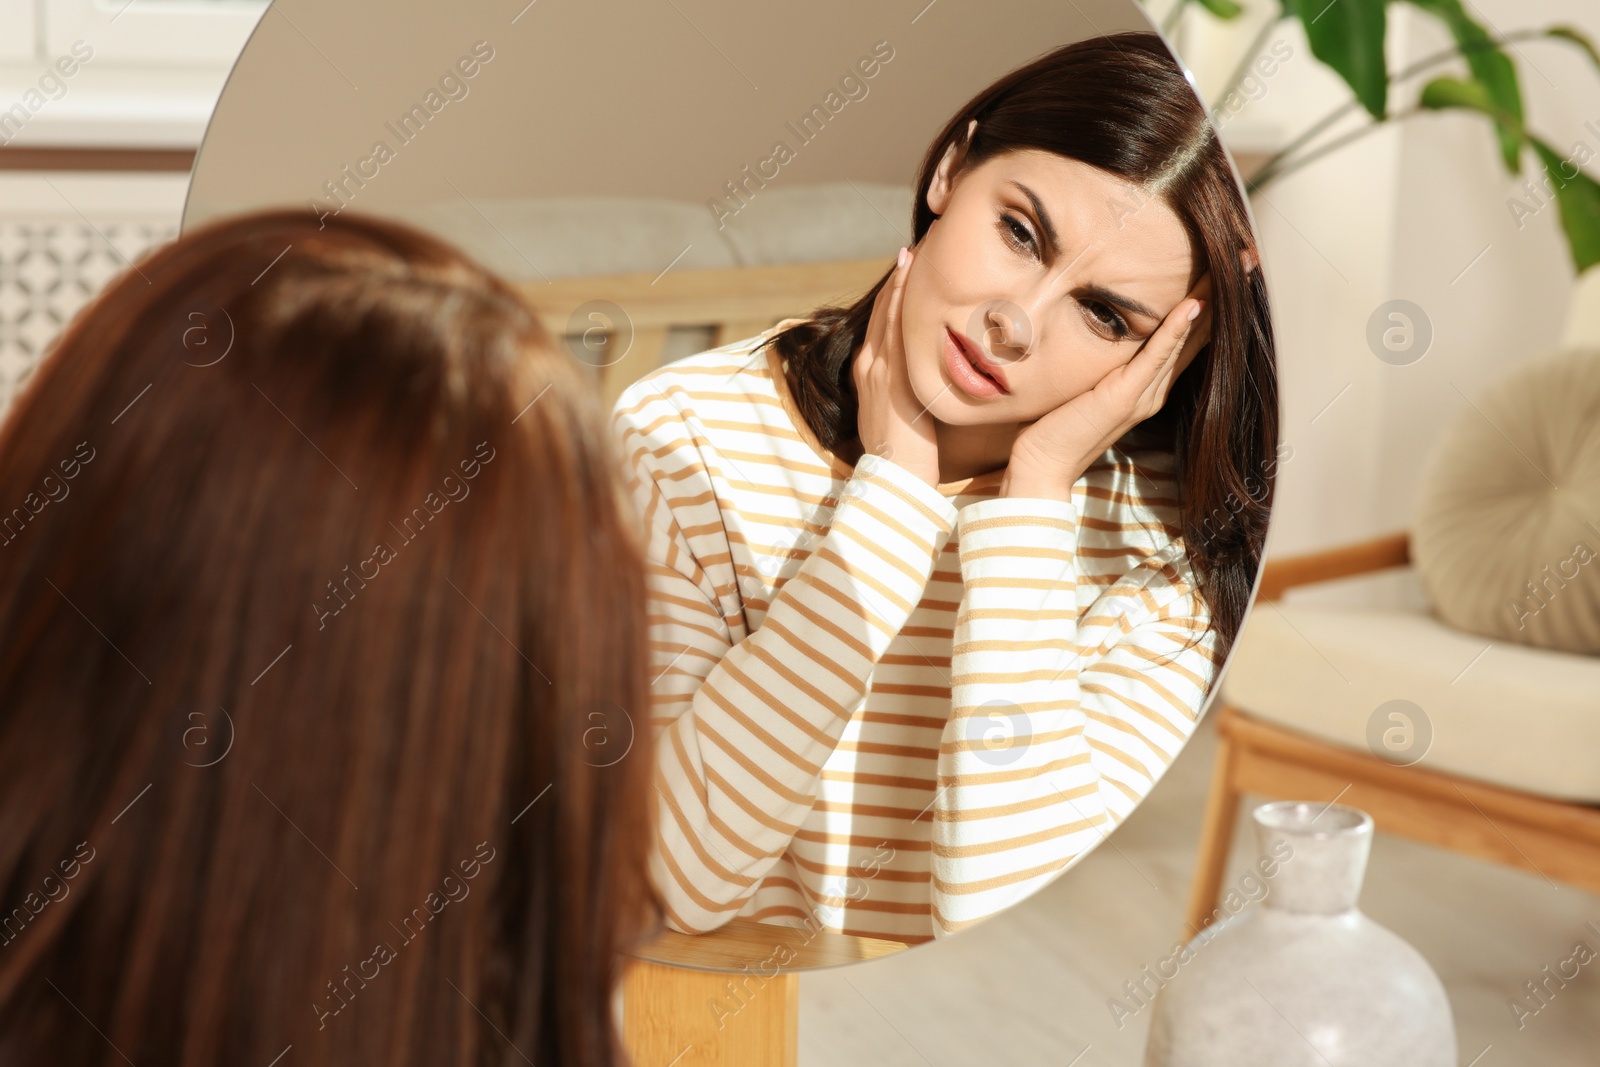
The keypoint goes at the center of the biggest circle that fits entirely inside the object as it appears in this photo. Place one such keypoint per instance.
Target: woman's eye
(1110, 320)
(1016, 234)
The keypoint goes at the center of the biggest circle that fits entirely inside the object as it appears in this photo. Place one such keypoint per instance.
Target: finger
(873, 342)
(1197, 338)
(1162, 346)
(1148, 376)
(896, 298)
(1199, 334)
(1203, 291)
(870, 343)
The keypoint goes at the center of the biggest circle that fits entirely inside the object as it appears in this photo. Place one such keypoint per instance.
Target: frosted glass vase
(1305, 979)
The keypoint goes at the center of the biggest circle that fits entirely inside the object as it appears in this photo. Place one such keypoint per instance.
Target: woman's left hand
(1051, 452)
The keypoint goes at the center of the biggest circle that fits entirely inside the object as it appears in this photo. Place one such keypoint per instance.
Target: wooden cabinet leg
(1216, 832)
(676, 1017)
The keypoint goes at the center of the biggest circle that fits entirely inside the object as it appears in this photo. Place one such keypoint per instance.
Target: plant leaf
(1348, 36)
(1576, 36)
(1492, 68)
(1576, 194)
(1448, 92)
(1223, 9)
(1578, 199)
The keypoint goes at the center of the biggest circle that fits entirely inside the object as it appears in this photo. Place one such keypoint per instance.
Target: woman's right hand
(890, 421)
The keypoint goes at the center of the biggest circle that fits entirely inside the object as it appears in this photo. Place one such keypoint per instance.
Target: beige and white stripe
(891, 708)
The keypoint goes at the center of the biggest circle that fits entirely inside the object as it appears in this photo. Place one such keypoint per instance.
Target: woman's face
(1056, 269)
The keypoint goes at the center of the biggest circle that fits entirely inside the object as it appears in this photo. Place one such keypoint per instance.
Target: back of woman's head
(319, 608)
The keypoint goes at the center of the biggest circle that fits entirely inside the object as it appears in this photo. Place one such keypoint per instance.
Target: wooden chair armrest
(1346, 561)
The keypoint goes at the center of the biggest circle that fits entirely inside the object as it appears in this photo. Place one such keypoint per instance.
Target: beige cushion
(1507, 531)
(531, 238)
(817, 223)
(1523, 718)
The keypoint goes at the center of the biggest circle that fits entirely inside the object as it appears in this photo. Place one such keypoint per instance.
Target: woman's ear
(1250, 259)
(944, 173)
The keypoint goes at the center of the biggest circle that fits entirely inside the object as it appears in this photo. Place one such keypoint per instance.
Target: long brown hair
(1121, 103)
(319, 623)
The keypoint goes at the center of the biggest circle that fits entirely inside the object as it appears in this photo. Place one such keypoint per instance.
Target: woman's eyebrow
(1121, 301)
(1099, 292)
(1039, 211)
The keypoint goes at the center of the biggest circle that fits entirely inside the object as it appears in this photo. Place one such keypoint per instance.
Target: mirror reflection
(939, 581)
(939, 369)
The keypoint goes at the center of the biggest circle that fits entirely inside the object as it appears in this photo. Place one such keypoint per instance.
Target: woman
(302, 676)
(941, 580)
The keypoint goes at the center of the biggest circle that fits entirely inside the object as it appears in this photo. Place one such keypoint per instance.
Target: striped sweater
(882, 707)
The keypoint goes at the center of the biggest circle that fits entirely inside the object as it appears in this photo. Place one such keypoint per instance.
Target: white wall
(1328, 241)
(1399, 214)
(1453, 193)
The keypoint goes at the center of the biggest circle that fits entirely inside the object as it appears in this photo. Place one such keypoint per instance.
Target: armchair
(1511, 774)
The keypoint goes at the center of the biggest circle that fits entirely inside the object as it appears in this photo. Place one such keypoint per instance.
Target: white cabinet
(62, 236)
(102, 106)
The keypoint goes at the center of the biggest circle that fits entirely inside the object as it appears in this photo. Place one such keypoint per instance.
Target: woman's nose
(1006, 329)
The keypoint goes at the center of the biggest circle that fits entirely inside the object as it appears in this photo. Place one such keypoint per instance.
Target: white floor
(1031, 987)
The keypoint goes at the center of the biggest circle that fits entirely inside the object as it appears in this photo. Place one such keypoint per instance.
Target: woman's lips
(970, 365)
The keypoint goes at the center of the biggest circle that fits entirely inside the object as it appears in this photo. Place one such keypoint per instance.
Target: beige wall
(604, 97)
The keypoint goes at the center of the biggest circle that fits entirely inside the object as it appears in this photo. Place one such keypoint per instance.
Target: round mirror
(946, 553)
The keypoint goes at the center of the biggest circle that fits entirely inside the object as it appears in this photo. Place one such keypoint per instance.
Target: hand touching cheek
(1050, 454)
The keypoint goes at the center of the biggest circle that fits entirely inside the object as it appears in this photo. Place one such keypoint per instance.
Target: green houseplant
(1349, 36)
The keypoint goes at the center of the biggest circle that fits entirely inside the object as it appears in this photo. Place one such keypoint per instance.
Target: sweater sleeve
(1058, 726)
(745, 721)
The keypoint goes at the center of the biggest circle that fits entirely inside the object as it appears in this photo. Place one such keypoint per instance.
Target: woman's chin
(945, 406)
